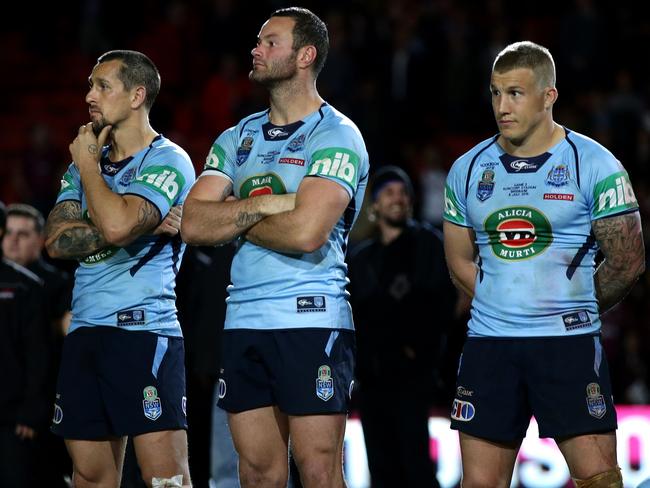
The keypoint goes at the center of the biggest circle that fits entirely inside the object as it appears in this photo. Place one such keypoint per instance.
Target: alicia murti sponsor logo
(516, 233)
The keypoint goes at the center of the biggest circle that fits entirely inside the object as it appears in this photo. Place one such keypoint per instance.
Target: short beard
(276, 76)
(98, 126)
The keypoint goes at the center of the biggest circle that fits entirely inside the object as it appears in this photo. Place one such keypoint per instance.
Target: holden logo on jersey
(614, 194)
(517, 233)
(268, 184)
(336, 162)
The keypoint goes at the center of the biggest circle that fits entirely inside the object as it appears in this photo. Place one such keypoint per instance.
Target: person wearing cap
(403, 301)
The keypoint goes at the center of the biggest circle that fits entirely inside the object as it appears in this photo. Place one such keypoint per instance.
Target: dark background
(413, 75)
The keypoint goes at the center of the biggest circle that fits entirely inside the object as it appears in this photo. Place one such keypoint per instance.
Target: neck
(388, 233)
(545, 136)
(127, 140)
(292, 101)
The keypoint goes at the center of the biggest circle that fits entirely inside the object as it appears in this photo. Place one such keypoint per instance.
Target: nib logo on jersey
(517, 233)
(614, 195)
(268, 184)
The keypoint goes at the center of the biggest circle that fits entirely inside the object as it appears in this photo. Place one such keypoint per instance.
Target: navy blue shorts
(562, 381)
(302, 371)
(114, 382)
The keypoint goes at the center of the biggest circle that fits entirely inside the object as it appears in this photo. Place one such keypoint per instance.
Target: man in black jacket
(25, 409)
(402, 302)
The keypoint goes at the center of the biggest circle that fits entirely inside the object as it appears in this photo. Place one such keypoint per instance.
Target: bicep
(211, 188)
(323, 201)
(620, 238)
(142, 216)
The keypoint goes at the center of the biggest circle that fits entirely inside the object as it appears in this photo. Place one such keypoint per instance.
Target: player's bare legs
(317, 445)
(163, 455)
(590, 455)
(487, 464)
(261, 438)
(97, 464)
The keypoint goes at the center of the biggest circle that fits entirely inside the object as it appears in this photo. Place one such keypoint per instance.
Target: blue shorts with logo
(114, 382)
(306, 371)
(562, 381)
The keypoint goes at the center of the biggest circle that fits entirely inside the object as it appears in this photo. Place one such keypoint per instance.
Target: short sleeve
(221, 159)
(70, 185)
(339, 154)
(455, 199)
(164, 178)
(609, 190)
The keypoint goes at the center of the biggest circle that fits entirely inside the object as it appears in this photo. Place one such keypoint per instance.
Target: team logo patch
(268, 184)
(576, 320)
(222, 388)
(517, 233)
(127, 177)
(485, 186)
(58, 415)
(324, 383)
(130, 317)
(244, 150)
(151, 404)
(462, 411)
(311, 304)
(297, 143)
(462, 391)
(558, 175)
(595, 401)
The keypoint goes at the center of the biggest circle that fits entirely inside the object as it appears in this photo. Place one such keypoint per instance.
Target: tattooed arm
(210, 217)
(68, 236)
(621, 241)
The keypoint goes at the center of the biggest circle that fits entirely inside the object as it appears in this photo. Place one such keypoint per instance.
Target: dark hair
(309, 30)
(137, 69)
(24, 210)
(527, 54)
(387, 174)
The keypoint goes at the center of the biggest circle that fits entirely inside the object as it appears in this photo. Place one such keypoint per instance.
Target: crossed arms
(291, 223)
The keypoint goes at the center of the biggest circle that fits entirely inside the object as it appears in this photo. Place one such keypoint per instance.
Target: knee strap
(609, 479)
(174, 482)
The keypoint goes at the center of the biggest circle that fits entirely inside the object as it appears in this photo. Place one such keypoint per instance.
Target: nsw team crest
(595, 401)
(485, 186)
(151, 404)
(324, 383)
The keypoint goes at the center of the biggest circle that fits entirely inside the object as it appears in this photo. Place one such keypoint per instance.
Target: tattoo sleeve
(148, 218)
(621, 240)
(68, 236)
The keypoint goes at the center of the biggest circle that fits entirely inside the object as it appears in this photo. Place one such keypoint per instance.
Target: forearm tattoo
(148, 218)
(69, 235)
(621, 241)
(227, 191)
(246, 219)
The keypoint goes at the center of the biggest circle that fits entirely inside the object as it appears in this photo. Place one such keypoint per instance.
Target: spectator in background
(403, 303)
(25, 408)
(23, 243)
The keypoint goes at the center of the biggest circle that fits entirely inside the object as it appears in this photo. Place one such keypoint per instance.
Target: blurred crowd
(412, 74)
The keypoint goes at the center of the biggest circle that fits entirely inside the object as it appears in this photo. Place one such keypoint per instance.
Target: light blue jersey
(532, 218)
(272, 290)
(133, 287)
